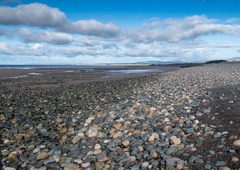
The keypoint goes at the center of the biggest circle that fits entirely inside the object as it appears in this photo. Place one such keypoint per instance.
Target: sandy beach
(185, 118)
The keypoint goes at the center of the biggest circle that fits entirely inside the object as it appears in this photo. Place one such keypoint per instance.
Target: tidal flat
(173, 118)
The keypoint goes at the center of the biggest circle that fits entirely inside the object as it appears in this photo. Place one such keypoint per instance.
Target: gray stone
(171, 150)
(220, 163)
(207, 166)
(170, 162)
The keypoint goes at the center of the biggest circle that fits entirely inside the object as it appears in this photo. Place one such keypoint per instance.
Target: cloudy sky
(119, 31)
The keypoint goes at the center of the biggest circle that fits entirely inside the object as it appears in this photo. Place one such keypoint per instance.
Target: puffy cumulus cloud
(166, 51)
(92, 28)
(86, 41)
(33, 50)
(34, 14)
(56, 38)
(176, 30)
(75, 51)
(4, 49)
(41, 15)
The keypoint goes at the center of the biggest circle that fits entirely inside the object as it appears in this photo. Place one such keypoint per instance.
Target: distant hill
(234, 59)
(158, 62)
(216, 61)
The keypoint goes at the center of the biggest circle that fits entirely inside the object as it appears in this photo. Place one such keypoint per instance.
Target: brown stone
(12, 158)
(63, 130)
(117, 126)
(42, 155)
(118, 134)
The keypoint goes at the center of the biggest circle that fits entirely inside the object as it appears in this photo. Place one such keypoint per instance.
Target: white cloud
(57, 38)
(33, 50)
(34, 14)
(92, 27)
(233, 20)
(89, 41)
(176, 30)
(4, 49)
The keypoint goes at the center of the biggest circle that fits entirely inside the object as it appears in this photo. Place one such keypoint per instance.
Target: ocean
(17, 67)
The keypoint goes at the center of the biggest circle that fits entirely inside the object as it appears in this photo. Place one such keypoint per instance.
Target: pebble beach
(183, 119)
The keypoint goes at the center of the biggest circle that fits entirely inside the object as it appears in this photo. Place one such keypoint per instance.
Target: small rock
(170, 162)
(102, 158)
(207, 166)
(5, 152)
(97, 146)
(151, 138)
(76, 139)
(220, 163)
(42, 155)
(81, 135)
(12, 158)
(70, 166)
(235, 159)
(171, 150)
(90, 119)
(154, 155)
(99, 165)
(236, 142)
(224, 168)
(117, 126)
(92, 135)
(175, 140)
(145, 164)
(212, 152)
(86, 164)
(126, 143)
(133, 158)
(9, 168)
(118, 134)
(217, 135)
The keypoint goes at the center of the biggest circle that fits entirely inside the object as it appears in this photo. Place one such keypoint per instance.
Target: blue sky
(126, 31)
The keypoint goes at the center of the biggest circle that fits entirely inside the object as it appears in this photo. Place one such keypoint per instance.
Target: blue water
(10, 67)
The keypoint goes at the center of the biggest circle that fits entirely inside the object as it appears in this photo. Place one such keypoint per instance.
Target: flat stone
(195, 159)
(224, 168)
(220, 163)
(171, 150)
(217, 135)
(76, 139)
(151, 138)
(121, 157)
(12, 158)
(5, 152)
(99, 165)
(42, 155)
(97, 146)
(117, 126)
(102, 158)
(235, 159)
(86, 164)
(118, 134)
(175, 141)
(81, 135)
(207, 166)
(9, 168)
(236, 142)
(92, 135)
(70, 166)
(90, 119)
(126, 143)
(145, 164)
(170, 162)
